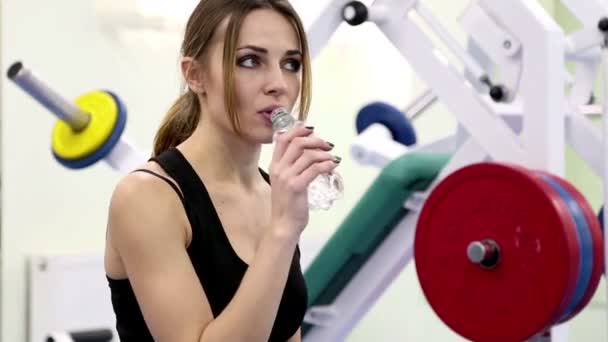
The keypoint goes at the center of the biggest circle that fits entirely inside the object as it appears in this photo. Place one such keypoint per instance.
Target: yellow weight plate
(71, 145)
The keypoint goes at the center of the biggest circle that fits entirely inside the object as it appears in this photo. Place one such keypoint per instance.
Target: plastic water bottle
(324, 190)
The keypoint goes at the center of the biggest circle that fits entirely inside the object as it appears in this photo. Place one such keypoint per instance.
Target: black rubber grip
(14, 70)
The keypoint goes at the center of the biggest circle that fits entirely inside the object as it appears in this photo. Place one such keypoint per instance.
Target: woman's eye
(248, 61)
(293, 65)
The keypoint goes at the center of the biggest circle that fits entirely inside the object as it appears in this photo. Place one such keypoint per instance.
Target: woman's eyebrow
(293, 53)
(263, 50)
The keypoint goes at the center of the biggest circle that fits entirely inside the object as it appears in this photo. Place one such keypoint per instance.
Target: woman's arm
(146, 229)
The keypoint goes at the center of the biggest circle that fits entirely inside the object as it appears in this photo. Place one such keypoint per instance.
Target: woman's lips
(267, 115)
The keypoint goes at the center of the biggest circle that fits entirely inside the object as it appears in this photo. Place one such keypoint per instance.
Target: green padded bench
(367, 225)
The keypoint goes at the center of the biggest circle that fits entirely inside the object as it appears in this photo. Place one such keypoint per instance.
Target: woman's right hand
(299, 157)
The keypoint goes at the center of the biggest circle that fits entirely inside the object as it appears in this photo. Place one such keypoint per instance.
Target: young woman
(200, 246)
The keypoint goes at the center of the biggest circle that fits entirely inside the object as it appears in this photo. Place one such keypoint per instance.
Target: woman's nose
(275, 82)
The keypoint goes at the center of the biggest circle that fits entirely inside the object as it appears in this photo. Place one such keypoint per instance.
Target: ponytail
(178, 124)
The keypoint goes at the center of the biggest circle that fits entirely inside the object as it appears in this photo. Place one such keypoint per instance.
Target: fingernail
(330, 144)
(310, 127)
(337, 159)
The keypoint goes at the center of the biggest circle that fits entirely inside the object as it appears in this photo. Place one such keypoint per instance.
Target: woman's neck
(222, 158)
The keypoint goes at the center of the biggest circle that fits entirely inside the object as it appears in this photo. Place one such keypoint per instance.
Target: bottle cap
(278, 113)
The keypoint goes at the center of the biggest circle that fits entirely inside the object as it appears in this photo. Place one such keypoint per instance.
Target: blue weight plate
(107, 146)
(585, 244)
(397, 123)
(597, 240)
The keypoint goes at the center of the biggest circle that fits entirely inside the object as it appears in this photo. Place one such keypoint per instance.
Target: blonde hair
(184, 115)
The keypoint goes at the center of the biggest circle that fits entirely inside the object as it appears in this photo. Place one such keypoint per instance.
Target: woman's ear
(193, 74)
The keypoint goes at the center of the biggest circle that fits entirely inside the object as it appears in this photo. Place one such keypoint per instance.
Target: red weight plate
(536, 276)
(598, 244)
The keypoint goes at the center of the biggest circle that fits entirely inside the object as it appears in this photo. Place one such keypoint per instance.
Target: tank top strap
(199, 207)
(178, 168)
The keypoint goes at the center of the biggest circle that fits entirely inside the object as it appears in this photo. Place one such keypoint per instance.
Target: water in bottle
(324, 190)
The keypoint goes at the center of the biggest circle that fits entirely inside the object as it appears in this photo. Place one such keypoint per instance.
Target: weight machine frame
(521, 121)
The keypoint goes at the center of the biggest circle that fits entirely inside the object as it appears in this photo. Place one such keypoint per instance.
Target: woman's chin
(262, 138)
(267, 140)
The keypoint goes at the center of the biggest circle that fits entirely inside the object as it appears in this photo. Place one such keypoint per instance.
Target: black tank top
(217, 265)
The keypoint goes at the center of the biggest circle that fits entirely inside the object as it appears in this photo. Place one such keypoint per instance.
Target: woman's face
(267, 74)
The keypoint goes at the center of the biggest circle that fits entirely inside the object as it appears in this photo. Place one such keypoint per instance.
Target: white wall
(48, 209)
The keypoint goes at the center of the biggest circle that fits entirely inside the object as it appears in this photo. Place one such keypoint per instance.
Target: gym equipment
(490, 230)
(345, 272)
(386, 129)
(511, 108)
(66, 300)
(98, 335)
(389, 116)
(79, 149)
(585, 220)
(89, 130)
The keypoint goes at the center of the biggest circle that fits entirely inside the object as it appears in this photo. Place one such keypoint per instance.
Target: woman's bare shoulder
(141, 199)
(141, 185)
